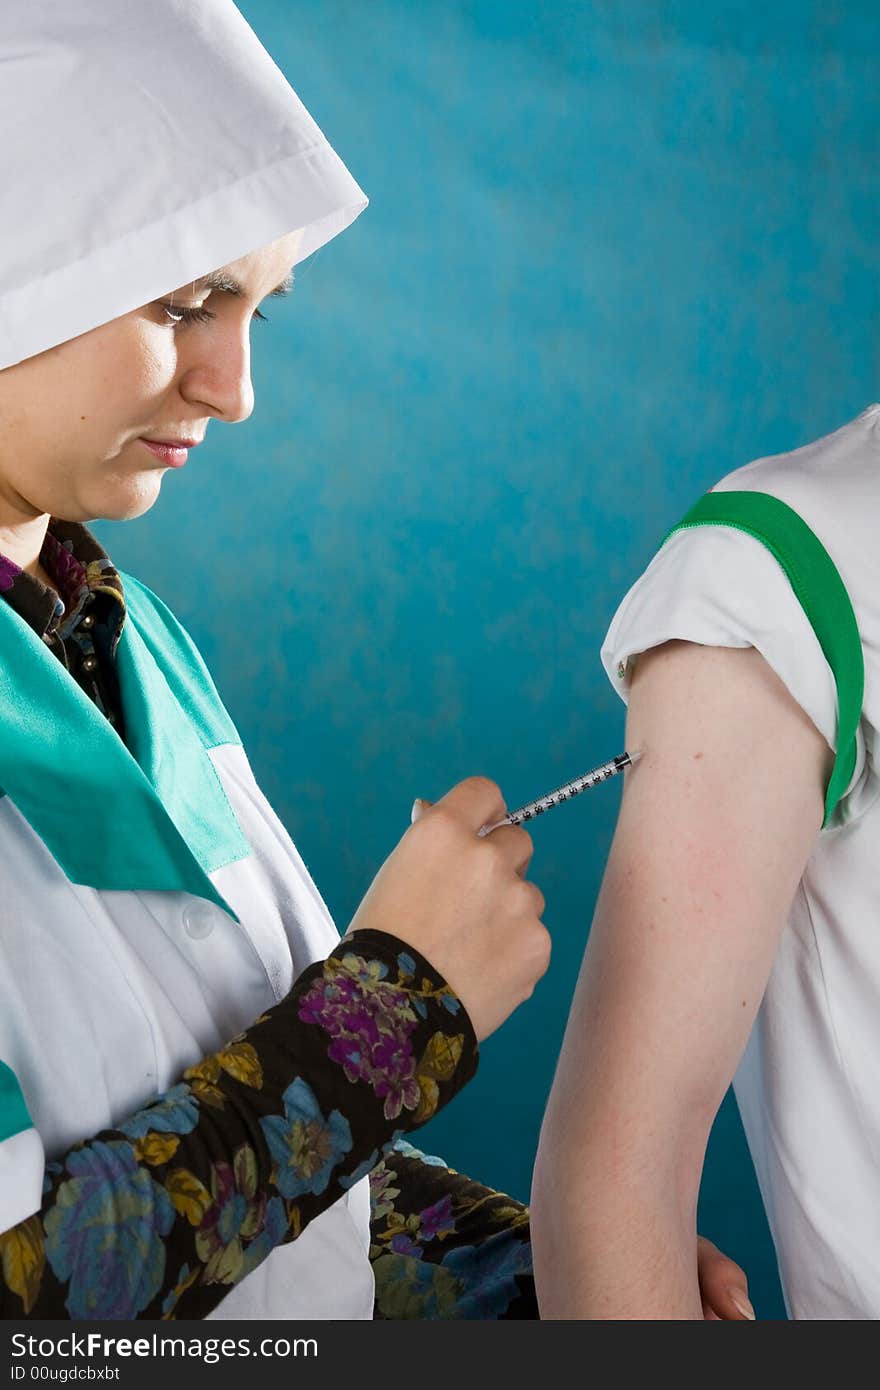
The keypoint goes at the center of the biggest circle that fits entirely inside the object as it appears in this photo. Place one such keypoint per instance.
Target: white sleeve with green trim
(719, 586)
(22, 1159)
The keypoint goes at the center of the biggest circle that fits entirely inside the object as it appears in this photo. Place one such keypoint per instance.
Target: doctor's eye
(182, 315)
(179, 314)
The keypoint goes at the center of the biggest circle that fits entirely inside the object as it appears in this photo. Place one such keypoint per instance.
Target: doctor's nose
(221, 381)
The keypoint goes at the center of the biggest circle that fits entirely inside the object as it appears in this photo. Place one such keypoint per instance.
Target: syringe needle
(565, 793)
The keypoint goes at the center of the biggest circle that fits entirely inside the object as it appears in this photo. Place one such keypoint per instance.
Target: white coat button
(198, 919)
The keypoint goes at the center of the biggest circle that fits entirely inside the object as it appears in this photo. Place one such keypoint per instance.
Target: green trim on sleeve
(821, 593)
(14, 1117)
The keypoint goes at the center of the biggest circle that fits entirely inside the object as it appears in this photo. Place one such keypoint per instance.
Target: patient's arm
(716, 824)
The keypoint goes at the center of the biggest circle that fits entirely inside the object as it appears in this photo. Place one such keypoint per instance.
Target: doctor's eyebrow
(221, 280)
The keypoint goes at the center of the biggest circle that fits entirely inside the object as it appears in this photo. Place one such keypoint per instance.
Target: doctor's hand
(463, 901)
(723, 1286)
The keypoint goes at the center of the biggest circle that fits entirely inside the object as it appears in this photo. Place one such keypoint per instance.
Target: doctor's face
(72, 418)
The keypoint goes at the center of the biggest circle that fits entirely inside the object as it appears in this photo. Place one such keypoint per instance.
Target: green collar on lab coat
(150, 815)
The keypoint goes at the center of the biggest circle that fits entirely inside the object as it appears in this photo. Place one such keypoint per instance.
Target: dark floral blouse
(162, 1215)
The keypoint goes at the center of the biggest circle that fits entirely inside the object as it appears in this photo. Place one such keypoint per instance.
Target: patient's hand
(723, 1285)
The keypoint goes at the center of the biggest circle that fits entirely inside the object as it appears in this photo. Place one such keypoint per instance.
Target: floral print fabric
(443, 1246)
(162, 1216)
(81, 619)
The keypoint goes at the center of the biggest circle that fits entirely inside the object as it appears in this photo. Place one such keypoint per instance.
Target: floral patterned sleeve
(162, 1215)
(443, 1246)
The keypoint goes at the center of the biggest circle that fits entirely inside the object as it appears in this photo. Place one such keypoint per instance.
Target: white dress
(808, 1084)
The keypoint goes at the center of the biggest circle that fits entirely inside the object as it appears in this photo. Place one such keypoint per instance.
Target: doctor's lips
(172, 452)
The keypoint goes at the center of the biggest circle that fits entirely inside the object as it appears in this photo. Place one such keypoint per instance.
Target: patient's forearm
(608, 1242)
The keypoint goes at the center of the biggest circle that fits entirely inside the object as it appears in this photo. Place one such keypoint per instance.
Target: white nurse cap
(144, 143)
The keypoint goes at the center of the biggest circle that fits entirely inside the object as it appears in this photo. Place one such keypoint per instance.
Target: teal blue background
(613, 251)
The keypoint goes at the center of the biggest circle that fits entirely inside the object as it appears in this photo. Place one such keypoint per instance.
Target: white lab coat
(122, 870)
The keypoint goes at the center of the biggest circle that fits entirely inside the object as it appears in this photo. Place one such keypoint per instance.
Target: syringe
(580, 784)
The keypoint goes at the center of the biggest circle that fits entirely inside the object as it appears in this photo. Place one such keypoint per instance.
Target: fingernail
(415, 809)
(742, 1304)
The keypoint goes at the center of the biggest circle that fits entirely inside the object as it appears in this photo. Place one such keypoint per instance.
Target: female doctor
(199, 1080)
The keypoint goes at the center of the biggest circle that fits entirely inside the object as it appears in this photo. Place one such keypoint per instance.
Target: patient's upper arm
(716, 824)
